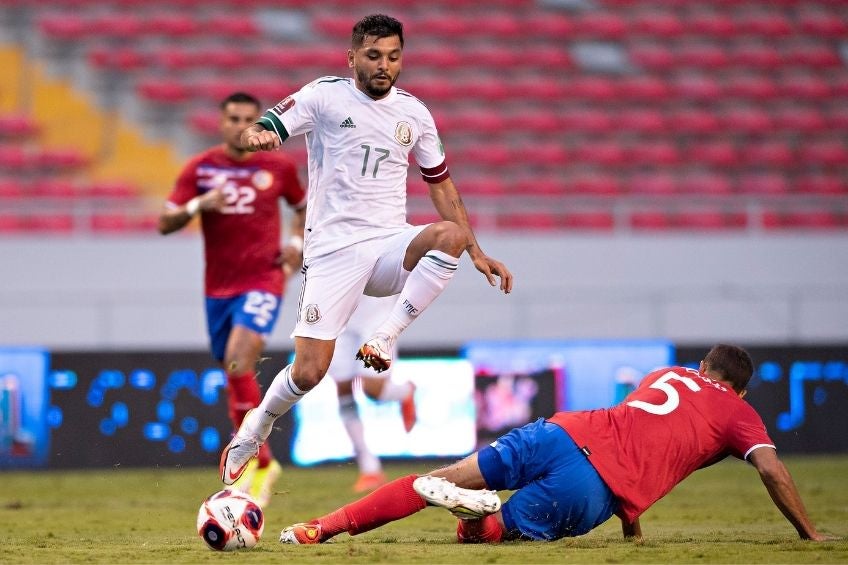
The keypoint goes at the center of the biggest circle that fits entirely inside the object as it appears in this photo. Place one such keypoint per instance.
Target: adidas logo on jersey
(348, 123)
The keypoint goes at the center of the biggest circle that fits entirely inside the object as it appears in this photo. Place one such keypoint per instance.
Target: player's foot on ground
(264, 478)
(369, 481)
(465, 504)
(245, 482)
(376, 353)
(242, 448)
(301, 534)
(407, 410)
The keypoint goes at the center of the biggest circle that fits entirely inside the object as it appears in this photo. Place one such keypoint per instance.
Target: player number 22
(384, 153)
(672, 400)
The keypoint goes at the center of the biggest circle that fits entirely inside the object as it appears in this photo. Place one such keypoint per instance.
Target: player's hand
(264, 140)
(213, 200)
(291, 259)
(492, 269)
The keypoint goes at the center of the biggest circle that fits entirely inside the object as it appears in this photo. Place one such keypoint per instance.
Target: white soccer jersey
(358, 151)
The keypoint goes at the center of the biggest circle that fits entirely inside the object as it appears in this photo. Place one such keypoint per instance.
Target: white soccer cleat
(376, 353)
(465, 504)
(235, 458)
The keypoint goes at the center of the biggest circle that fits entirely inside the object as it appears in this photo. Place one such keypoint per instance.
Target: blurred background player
(237, 193)
(348, 373)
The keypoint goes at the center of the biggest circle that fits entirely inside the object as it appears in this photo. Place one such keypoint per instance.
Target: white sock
(280, 397)
(426, 281)
(395, 391)
(367, 461)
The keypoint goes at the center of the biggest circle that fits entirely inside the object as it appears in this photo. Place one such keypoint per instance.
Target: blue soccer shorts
(256, 310)
(558, 492)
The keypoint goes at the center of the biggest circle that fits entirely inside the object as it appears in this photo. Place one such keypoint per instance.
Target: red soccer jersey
(675, 422)
(242, 242)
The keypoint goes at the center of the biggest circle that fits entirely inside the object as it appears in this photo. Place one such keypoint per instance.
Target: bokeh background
(650, 170)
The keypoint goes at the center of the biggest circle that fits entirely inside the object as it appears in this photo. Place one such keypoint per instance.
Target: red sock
(242, 395)
(390, 502)
(483, 530)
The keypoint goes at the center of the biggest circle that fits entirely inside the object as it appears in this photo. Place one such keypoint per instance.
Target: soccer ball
(230, 520)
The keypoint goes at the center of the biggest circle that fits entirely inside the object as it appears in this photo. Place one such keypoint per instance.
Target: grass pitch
(719, 515)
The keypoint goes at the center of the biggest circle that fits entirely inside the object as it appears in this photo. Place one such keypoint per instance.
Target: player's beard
(369, 86)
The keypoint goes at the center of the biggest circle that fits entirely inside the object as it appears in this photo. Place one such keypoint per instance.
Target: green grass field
(719, 515)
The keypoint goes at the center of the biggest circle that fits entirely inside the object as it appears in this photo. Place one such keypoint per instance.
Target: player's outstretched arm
(783, 492)
(257, 138)
(449, 205)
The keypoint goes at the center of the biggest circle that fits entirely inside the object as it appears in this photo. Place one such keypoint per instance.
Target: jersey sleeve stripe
(435, 174)
(271, 122)
(759, 445)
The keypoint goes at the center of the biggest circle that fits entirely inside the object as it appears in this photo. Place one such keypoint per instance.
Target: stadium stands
(713, 111)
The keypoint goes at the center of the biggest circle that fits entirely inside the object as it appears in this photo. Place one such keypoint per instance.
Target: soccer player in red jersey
(575, 470)
(237, 195)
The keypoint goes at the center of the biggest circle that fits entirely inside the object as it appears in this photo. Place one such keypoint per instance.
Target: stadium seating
(609, 102)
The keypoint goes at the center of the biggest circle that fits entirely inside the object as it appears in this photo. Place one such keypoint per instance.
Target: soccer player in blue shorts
(575, 470)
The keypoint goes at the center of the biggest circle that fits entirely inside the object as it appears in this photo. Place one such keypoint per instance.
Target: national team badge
(311, 314)
(403, 133)
(262, 179)
(283, 106)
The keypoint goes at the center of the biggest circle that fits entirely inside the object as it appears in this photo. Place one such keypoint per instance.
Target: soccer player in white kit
(349, 374)
(359, 134)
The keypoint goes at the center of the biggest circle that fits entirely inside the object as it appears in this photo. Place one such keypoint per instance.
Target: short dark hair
(732, 364)
(239, 98)
(378, 25)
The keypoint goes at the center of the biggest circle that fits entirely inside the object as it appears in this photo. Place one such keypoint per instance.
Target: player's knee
(307, 377)
(449, 237)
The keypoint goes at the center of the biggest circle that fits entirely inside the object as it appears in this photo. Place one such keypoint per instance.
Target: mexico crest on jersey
(403, 133)
(311, 314)
(262, 179)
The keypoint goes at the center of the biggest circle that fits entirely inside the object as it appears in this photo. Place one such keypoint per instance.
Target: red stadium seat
(597, 184)
(124, 59)
(749, 85)
(696, 87)
(756, 56)
(590, 120)
(601, 220)
(67, 27)
(655, 57)
(17, 127)
(824, 152)
(809, 219)
(770, 23)
(718, 153)
(715, 25)
(821, 183)
(607, 153)
(11, 223)
(703, 55)
(768, 153)
(527, 221)
(749, 120)
(821, 24)
(797, 118)
(651, 220)
(643, 88)
(661, 24)
(652, 183)
(705, 183)
(693, 121)
(815, 56)
(763, 184)
(711, 219)
(641, 120)
(165, 91)
(50, 223)
(656, 153)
